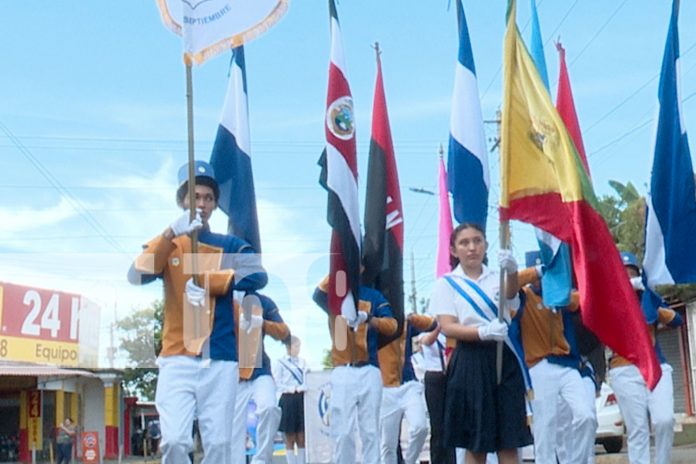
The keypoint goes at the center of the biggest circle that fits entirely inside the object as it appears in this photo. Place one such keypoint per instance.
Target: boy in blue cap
(198, 368)
(639, 406)
(552, 355)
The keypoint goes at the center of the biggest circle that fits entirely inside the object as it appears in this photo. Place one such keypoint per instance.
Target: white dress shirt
(290, 374)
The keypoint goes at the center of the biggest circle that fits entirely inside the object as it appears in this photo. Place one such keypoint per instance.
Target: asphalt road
(680, 455)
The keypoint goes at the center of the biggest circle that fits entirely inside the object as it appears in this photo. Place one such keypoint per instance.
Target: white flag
(210, 27)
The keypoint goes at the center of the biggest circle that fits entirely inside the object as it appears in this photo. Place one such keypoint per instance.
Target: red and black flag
(339, 176)
(384, 222)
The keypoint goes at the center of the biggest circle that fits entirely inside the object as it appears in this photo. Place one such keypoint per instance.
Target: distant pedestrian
(154, 434)
(64, 441)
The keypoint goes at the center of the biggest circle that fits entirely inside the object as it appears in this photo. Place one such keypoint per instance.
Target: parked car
(610, 423)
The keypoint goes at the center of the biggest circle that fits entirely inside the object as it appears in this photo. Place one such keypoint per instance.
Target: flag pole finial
(377, 50)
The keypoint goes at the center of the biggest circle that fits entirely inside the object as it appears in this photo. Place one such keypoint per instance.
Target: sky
(93, 129)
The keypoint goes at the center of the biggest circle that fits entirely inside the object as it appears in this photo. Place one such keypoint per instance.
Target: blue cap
(200, 168)
(205, 175)
(629, 259)
(532, 258)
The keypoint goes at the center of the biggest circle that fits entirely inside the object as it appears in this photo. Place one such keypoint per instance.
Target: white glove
(248, 325)
(494, 331)
(507, 261)
(361, 318)
(184, 225)
(195, 295)
(539, 268)
(637, 283)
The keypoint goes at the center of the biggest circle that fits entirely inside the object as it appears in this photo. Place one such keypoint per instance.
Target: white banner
(317, 400)
(210, 27)
(318, 441)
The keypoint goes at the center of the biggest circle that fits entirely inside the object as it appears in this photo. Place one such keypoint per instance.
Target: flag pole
(504, 238)
(192, 186)
(504, 245)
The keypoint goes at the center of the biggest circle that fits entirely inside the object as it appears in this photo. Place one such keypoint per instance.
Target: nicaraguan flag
(383, 247)
(230, 158)
(467, 160)
(557, 280)
(670, 227)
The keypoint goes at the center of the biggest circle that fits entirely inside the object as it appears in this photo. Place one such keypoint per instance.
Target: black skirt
(481, 415)
(292, 407)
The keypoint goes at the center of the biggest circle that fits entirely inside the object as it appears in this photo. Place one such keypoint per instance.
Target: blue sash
(299, 378)
(513, 339)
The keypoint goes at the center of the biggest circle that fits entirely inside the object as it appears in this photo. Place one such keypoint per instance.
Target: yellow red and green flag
(544, 183)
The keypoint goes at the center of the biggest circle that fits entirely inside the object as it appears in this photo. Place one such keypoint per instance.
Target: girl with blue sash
(483, 415)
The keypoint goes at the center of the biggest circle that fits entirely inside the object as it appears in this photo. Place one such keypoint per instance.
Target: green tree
(327, 360)
(624, 213)
(141, 338)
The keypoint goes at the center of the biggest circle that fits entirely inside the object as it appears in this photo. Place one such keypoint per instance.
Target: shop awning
(42, 371)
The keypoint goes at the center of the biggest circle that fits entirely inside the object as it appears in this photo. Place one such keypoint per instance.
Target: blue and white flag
(670, 228)
(230, 158)
(467, 160)
(557, 280)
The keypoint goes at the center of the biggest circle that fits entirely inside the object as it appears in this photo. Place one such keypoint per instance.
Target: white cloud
(18, 220)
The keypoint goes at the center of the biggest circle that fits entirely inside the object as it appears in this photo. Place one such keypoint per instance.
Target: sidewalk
(685, 454)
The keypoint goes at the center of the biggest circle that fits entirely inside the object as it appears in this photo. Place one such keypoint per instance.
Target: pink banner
(445, 225)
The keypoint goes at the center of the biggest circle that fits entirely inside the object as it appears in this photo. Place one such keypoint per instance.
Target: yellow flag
(537, 155)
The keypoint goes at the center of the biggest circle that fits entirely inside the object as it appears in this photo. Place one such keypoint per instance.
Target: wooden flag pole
(192, 187)
(502, 298)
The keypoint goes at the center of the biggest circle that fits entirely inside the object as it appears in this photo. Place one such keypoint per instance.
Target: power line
(598, 32)
(74, 202)
(560, 23)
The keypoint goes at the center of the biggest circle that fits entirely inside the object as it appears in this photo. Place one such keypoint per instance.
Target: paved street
(680, 455)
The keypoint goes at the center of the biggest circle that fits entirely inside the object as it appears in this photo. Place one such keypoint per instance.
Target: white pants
(189, 388)
(635, 402)
(565, 441)
(262, 391)
(551, 383)
(356, 393)
(405, 400)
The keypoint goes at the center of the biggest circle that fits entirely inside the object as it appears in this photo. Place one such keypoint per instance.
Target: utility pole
(414, 300)
(497, 121)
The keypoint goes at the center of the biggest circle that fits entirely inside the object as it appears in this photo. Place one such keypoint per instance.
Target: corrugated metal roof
(42, 371)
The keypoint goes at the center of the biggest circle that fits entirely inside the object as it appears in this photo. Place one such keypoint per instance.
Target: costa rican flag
(230, 158)
(339, 176)
(467, 160)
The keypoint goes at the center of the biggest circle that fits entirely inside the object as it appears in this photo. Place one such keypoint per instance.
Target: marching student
(434, 349)
(402, 395)
(482, 415)
(551, 353)
(289, 373)
(198, 372)
(639, 406)
(255, 380)
(356, 385)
